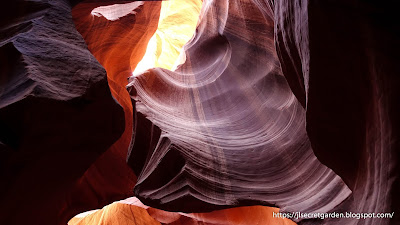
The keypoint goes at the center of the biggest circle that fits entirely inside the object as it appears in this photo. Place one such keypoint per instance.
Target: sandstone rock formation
(132, 211)
(57, 115)
(341, 60)
(224, 128)
(285, 105)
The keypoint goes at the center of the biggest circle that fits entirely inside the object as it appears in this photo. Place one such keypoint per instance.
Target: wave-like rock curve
(224, 128)
(340, 59)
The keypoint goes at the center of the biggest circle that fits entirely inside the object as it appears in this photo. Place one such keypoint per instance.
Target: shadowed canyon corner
(194, 112)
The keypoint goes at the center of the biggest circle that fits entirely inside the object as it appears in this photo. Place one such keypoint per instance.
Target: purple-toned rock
(57, 115)
(224, 129)
(341, 60)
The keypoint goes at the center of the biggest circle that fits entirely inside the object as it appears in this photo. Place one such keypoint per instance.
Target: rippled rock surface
(132, 211)
(224, 129)
(57, 115)
(341, 60)
(289, 104)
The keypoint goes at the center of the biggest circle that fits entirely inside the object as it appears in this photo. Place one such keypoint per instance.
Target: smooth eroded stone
(224, 129)
(341, 60)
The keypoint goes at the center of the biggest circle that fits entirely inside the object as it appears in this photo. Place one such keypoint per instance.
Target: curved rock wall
(224, 128)
(273, 103)
(57, 115)
(341, 60)
(132, 211)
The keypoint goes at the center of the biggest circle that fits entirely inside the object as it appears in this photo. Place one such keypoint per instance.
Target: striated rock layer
(266, 91)
(118, 45)
(224, 129)
(132, 211)
(163, 54)
(57, 115)
(341, 60)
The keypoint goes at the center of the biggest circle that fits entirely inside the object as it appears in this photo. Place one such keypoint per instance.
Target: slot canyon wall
(57, 115)
(343, 69)
(271, 106)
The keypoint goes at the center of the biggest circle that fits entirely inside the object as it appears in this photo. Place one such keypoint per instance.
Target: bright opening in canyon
(176, 26)
(217, 112)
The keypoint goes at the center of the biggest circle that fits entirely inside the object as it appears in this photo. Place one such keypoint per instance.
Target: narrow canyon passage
(180, 112)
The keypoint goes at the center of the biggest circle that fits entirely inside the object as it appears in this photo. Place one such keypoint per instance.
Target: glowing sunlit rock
(177, 23)
(116, 214)
(116, 45)
(225, 124)
(224, 128)
(132, 211)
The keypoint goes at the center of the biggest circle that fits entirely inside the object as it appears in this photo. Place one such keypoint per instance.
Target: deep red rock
(272, 96)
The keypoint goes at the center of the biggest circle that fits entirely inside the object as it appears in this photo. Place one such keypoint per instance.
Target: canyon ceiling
(198, 112)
